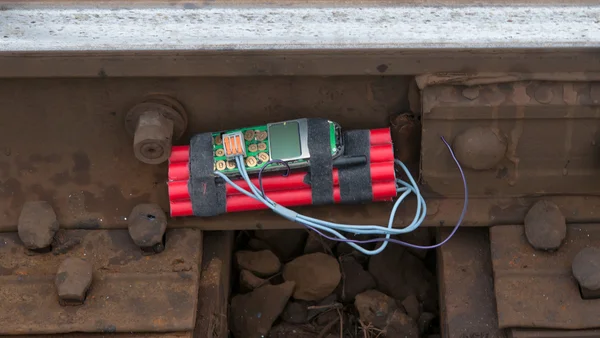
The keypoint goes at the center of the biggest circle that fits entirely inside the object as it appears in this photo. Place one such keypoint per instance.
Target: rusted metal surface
(467, 300)
(536, 289)
(215, 283)
(130, 292)
(64, 140)
(119, 335)
(489, 77)
(550, 129)
(525, 333)
(291, 63)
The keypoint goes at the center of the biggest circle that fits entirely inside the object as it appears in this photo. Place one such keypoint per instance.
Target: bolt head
(471, 93)
(152, 138)
(544, 94)
(37, 225)
(480, 148)
(73, 280)
(545, 226)
(586, 268)
(147, 225)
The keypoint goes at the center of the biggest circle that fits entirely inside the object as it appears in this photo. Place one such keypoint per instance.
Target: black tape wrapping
(208, 197)
(355, 181)
(321, 166)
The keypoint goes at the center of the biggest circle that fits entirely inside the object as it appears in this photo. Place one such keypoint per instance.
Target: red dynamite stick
(380, 136)
(376, 137)
(380, 172)
(179, 154)
(382, 191)
(180, 171)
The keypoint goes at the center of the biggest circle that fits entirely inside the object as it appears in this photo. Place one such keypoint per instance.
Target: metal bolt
(147, 226)
(471, 93)
(73, 280)
(152, 139)
(37, 225)
(545, 226)
(480, 148)
(544, 94)
(154, 124)
(586, 270)
(595, 92)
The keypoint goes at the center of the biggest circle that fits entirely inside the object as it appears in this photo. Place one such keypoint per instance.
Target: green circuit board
(256, 140)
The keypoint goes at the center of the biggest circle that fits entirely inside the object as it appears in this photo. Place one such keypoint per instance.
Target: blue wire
(331, 227)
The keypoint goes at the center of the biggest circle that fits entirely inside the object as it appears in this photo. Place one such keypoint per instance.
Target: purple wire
(392, 240)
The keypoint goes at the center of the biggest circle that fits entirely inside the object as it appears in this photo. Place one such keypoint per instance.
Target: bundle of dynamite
(199, 192)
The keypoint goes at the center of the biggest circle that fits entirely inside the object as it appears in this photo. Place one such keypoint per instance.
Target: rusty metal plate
(118, 335)
(215, 284)
(525, 333)
(64, 141)
(129, 293)
(551, 132)
(535, 289)
(291, 63)
(467, 300)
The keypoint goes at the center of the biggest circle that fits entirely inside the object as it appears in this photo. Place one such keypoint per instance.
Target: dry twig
(335, 305)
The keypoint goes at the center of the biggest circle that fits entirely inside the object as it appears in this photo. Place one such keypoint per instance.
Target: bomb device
(212, 176)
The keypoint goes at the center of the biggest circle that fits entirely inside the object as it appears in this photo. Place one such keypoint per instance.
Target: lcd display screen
(285, 140)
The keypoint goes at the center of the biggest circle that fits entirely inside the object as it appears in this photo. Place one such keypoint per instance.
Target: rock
(257, 245)
(316, 275)
(295, 313)
(480, 148)
(285, 330)
(73, 279)
(249, 282)
(317, 243)
(412, 307)
(354, 279)
(400, 324)
(261, 263)
(37, 225)
(545, 226)
(424, 322)
(147, 225)
(375, 307)
(420, 236)
(586, 268)
(286, 244)
(411, 277)
(252, 314)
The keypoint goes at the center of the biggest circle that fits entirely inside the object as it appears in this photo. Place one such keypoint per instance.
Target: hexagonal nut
(545, 226)
(480, 148)
(147, 225)
(544, 94)
(73, 280)
(586, 268)
(471, 93)
(153, 138)
(37, 225)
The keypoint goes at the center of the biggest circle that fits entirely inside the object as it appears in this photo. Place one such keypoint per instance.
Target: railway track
(521, 78)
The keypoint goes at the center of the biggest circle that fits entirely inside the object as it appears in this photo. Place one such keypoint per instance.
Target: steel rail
(66, 27)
